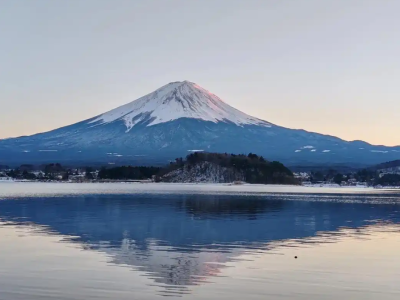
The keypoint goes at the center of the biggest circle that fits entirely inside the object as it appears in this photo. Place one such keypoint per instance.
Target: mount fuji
(179, 118)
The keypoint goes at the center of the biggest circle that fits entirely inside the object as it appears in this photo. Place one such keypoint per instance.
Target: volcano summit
(178, 118)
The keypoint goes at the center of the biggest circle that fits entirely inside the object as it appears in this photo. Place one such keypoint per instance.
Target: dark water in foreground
(195, 246)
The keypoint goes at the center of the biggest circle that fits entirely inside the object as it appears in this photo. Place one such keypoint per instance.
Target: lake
(150, 241)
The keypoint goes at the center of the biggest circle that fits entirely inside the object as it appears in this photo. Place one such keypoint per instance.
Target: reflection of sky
(184, 240)
(39, 265)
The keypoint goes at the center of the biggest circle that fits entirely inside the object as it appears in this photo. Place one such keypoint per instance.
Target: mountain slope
(387, 165)
(178, 118)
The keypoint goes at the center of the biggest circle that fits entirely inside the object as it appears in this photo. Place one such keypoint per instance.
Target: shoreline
(312, 186)
(18, 189)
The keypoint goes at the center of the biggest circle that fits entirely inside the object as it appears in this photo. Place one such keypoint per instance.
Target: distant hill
(387, 165)
(224, 168)
(342, 168)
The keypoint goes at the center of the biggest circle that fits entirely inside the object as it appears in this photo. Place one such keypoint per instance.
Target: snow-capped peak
(174, 101)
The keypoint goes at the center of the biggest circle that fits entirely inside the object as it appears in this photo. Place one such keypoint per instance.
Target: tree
(66, 175)
(52, 170)
(13, 173)
(88, 173)
(317, 176)
(129, 172)
(103, 173)
(338, 178)
(27, 175)
(389, 180)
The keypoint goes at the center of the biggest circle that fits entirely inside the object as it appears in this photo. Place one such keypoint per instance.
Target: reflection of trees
(219, 206)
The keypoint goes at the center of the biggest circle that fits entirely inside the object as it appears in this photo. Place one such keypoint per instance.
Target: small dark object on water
(295, 257)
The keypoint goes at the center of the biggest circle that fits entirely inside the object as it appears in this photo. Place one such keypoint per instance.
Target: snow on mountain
(174, 101)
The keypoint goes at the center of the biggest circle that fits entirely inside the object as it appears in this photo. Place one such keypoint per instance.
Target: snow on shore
(35, 189)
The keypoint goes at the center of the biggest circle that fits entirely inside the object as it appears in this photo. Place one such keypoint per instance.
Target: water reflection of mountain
(181, 240)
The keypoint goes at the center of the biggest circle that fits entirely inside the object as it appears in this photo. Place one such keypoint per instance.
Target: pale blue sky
(328, 66)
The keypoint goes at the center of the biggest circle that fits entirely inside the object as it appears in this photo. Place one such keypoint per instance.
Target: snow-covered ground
(20, 189)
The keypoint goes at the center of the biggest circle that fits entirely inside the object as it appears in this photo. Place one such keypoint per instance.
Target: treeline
(332, 175)
(389, 180)
(53, 171)
(128, 172)
(388, 165)
(369, 176)
(17, 174)
(255, 168)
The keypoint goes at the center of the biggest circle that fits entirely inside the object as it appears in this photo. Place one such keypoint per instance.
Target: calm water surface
(204, 242)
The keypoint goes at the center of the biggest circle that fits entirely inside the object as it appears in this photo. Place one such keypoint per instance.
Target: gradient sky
(327, 66)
